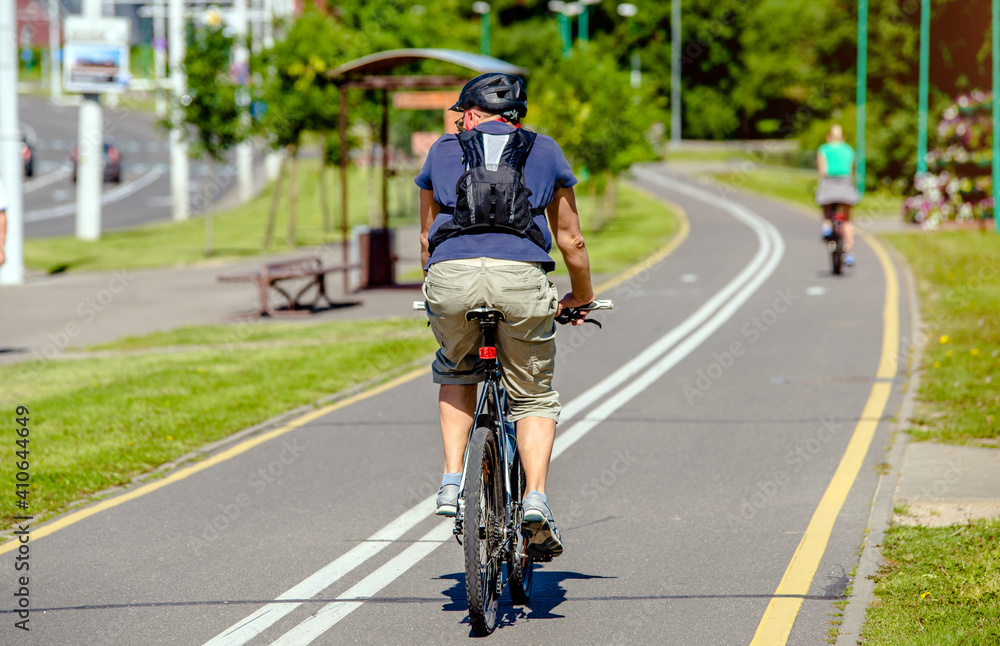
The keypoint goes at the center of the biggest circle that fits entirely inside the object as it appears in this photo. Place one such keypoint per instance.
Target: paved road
(143, 196)
(737, 370)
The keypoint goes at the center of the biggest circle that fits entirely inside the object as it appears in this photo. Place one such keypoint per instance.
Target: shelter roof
(384, 62)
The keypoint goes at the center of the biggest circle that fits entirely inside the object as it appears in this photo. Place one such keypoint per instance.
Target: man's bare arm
(565, 223)
(428, 211)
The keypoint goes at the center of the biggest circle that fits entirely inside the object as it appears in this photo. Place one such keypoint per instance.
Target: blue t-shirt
(545, 170)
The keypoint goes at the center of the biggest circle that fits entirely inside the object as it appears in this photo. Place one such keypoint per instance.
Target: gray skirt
(837, 190)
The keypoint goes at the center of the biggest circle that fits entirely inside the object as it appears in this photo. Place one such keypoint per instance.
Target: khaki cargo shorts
(526, 339)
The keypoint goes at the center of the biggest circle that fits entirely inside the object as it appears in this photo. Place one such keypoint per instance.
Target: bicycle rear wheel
(838, 255)
(520, 567)
(483, 531)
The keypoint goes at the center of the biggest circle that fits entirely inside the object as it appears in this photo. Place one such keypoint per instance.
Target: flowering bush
(958, 185)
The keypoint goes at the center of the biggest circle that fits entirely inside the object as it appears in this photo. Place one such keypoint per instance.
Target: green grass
(956, 276)
(941, 586)
(799, 186)
(238, 232)
(937, 587)
(642, 225)
(99, 422)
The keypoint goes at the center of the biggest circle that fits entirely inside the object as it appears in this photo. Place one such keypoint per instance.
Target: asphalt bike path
(702, 430)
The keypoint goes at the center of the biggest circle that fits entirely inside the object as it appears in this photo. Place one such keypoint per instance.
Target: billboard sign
(96, 55)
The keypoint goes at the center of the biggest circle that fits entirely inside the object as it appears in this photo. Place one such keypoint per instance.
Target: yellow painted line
(257, 440)
(781, 612)
(218, 458)
(682, 233)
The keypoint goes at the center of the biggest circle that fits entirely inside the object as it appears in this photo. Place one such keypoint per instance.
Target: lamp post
(483, 9)
(584, 24)
(675, 74)
(628, 10)
(996, 113)
(862, 81)
(925, 28)
(560, 8)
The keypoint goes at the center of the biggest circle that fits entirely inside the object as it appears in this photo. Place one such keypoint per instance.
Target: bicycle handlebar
(569, 314)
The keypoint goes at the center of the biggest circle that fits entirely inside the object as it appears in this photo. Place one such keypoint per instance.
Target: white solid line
(110, 197)
(247, 629)
(727, 301)
(330, 614)
(42, 181)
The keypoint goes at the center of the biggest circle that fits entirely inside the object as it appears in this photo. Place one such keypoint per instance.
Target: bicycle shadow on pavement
(547, 593)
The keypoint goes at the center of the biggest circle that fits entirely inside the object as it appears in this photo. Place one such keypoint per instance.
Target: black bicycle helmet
(495, 93)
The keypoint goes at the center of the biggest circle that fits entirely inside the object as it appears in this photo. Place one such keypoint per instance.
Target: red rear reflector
(488, 353)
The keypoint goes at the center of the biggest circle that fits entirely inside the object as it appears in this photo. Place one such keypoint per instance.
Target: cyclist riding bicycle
(835, 163)
(488, 197)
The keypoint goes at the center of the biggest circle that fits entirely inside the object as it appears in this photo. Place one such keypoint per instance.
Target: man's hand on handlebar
(569, 300)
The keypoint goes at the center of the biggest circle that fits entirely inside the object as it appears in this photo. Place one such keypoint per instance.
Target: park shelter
(415, 91)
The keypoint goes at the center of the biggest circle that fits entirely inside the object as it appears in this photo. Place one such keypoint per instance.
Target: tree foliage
(210, 110)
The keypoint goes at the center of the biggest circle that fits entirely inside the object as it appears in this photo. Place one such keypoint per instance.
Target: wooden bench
(275, 276)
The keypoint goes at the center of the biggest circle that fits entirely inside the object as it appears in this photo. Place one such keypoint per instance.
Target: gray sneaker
(447, 500)
(543, 537)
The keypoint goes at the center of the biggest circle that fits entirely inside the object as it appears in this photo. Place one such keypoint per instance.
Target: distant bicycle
(835, 240)
(488, 519)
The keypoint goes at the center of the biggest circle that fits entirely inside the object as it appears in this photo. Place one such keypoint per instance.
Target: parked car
(28, 155)
(111, 161)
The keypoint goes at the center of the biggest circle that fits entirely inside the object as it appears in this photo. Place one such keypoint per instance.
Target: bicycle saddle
(485, 315)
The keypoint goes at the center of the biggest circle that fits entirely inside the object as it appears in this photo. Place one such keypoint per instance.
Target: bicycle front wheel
(483, 531)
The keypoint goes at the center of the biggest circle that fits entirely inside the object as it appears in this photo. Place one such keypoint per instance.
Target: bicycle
(493, 482)
(835, 240)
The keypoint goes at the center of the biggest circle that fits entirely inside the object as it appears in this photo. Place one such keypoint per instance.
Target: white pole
(272, 163)
(90, 145)
(55, 49)
(159, 55)
(12, 271)
(268, 36)
(241, 58)
(675, 73)
(178, 147)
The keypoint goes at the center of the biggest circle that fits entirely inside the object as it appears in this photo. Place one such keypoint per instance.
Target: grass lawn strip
(956, 277)
(938, 586)
(799, 186)
(99, 423)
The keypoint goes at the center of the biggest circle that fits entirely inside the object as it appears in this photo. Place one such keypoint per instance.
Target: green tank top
(839, 158)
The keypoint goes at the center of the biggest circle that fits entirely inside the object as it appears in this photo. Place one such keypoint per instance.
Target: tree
(211, 117)
(298, 94)
(586, 103)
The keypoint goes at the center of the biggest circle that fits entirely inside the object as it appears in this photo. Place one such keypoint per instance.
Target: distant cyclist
(835, 163)
(488, 198)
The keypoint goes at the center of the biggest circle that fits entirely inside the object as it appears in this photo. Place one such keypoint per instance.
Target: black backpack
(492, 201)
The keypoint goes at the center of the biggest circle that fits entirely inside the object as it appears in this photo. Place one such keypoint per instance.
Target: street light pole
(241, 60)
(55, 49)
(862, 83)
(12, 271)
(925, 28)
(675, 73)
(178, 147)
(90, 148)
(996, 113)
(483, 9)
